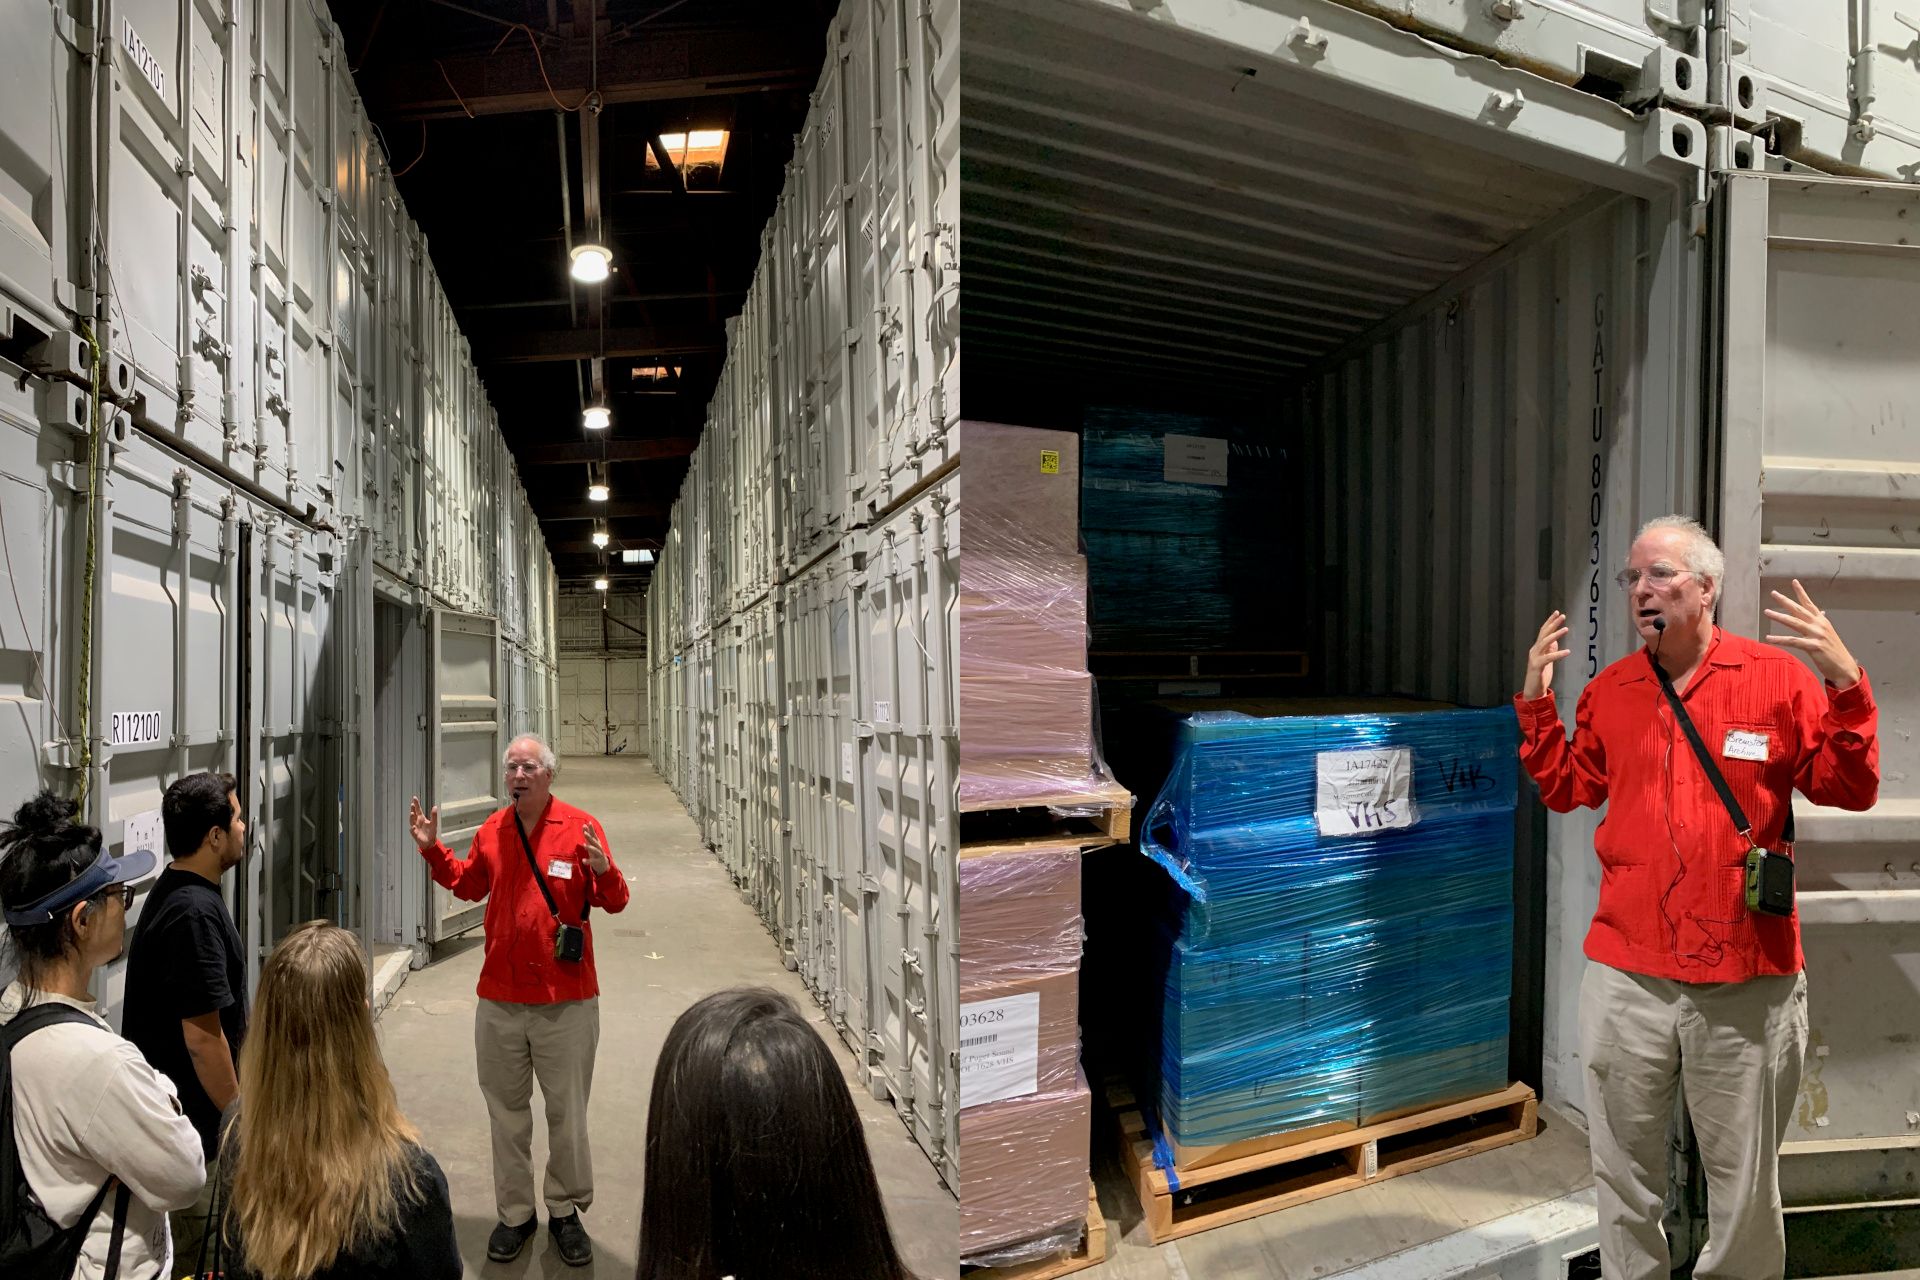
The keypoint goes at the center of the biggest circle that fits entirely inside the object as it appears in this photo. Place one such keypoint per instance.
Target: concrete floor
(686, 933)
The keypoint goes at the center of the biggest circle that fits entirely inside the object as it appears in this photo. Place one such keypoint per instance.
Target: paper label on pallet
(1370, 1158)
(1195, 460)
(999, 1048)
(1361, 792)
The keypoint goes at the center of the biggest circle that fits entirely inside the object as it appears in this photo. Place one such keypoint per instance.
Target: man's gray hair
(548, 761)
(1703, 555)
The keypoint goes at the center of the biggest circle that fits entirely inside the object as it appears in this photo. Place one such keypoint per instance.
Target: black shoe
(571, 1238)
(506, 1242)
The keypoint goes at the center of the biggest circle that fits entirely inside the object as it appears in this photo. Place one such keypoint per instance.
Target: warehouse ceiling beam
(537, 455)
(661, 65)
(584, 343)
(583, 509)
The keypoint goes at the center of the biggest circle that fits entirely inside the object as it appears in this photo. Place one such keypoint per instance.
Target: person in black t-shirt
(186, 1002)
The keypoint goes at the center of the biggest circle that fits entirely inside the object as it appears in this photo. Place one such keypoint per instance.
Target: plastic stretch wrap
(1026, 700)
(1021, 938)
(1315, 978)
(1184, 563)
(1023, 1176)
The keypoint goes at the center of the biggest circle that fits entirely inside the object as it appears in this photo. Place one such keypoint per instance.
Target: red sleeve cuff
(1852, 706)
(1536, 711)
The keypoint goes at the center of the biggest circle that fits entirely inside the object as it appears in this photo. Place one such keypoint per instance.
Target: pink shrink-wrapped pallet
(1024, 1122)
(1027, 733)
(1020, 934)
(1023, 1176)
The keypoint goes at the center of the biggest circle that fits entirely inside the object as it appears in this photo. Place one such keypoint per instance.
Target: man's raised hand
(425, 826)
(1545, 652)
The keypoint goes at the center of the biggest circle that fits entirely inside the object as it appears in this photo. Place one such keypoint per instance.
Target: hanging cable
(401, 173)
(85, 682)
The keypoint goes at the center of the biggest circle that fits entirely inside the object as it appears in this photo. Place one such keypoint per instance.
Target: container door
(466, 749)
(1820, 481)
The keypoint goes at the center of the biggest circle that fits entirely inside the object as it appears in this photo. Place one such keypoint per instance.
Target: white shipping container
(1504, 321)
(909, 705)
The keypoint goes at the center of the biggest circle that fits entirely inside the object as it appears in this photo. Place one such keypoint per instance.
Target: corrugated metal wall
(1484, 460)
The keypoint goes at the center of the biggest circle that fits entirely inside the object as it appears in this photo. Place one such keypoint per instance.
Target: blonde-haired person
(325, 1178)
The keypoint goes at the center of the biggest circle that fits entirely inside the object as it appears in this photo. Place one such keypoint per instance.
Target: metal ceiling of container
(511, 125)
(1139, 207)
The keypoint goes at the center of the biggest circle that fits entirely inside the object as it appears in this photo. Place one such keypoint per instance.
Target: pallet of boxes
(1331, 951)
(1034, 796)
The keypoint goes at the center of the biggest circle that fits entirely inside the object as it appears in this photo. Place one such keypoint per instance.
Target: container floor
(686, 933)
(1353, 1229)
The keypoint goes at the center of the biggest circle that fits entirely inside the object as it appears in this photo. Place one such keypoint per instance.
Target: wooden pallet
(1236, 1190)
(1091, 1253)
(1224, 664)
(1033, 824)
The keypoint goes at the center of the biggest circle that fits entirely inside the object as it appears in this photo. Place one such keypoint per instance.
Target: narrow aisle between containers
(687, 933)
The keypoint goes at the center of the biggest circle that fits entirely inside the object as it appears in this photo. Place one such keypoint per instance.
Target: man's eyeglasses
(1660, 575)
(526, 768)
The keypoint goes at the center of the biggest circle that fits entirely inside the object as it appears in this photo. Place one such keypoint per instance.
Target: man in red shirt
(539, 1013)
(1687, 988)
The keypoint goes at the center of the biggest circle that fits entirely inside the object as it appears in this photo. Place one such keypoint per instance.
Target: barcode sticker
(999, 1048)
(1371, 1159)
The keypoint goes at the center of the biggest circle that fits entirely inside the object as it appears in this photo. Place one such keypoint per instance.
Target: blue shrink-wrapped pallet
(1186, 563)
(1338, 937)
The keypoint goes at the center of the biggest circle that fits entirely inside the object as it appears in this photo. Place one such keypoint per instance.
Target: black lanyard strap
(1714, 775)
(539, 879)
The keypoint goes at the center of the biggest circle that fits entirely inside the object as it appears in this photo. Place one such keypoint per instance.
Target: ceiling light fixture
(597, 493)
(591, 263)
(597, 417)
(599, 537)
(599, 584)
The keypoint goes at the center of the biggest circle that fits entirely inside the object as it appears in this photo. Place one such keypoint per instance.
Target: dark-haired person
(325, 1178)
(186, 974)
(757, 1165)
(98, 1131)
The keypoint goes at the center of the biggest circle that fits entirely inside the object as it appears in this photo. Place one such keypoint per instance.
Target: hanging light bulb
(599, 584)
(596, 418)
(599, 537)
(597, 493)
(590, 263)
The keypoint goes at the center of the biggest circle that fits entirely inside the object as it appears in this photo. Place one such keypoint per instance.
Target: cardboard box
(1023, 1167)
(1022, 487)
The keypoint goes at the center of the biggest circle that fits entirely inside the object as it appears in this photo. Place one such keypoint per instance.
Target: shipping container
(833, 414)
(908, 689)
(1507, 307)
(307, 550)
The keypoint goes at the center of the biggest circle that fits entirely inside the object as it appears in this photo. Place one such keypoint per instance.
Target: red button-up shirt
(519, 967)
(1672, 867)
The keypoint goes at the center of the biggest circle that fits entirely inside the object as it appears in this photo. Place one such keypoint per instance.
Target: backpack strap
(122, 1201)
(23, 1024)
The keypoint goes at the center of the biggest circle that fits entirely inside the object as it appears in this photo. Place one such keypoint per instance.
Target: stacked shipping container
(802, 685)
(247, 411)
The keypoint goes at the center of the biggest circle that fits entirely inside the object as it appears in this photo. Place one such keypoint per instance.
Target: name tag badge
(1741, 745)
(561, 869)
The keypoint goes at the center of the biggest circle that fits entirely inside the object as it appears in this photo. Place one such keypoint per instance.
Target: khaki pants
(190, 1226)
(514, 1043)
(1737, 1050)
